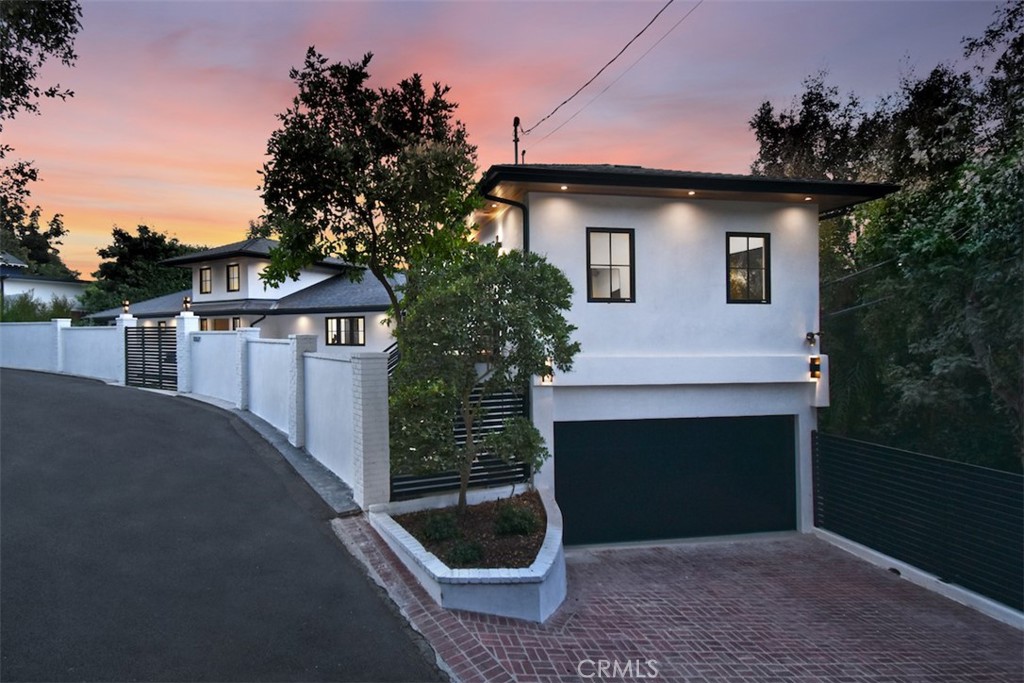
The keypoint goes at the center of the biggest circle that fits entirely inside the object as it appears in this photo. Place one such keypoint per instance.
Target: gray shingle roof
(256, 247)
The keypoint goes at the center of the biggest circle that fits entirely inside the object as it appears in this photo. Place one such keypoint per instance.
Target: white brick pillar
(185, 324)
(298, 344)
(57, 352)
(242, 338)
(371, 463)
(124, 320)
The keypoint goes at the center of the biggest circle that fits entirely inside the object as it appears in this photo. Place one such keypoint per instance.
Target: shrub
(515, 520)
(440, 526)
(464, 553)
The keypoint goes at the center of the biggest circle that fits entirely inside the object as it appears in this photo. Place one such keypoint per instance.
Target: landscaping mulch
(477, 524)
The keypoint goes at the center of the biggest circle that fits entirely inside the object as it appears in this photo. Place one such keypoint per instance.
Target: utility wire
(619, 77)
(594, 77)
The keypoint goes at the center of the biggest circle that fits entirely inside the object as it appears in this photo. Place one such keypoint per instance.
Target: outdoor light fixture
(811, 337)
(815, 367)
(125, 304)
(186, 303)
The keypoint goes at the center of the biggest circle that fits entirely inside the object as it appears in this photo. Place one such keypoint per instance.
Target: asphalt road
(145, 537)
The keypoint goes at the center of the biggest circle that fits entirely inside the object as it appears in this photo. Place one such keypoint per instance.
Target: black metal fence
(487, 470)
(963, 523)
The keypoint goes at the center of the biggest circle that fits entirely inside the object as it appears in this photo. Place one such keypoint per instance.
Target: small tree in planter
(474, 317)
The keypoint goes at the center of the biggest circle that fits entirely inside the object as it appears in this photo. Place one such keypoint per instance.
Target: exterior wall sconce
(811, 337)
(186, 303)
(125, 304)
(815, 367)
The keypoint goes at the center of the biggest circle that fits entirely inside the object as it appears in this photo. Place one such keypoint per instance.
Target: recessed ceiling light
(565, 187)
(691, 193)
(807, 199)
(494, 206)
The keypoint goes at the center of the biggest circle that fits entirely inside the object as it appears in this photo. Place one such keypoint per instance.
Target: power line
(617, 78)
(594, 77)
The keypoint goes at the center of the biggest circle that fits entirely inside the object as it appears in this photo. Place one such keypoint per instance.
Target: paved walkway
(791, 609)
(152, 538)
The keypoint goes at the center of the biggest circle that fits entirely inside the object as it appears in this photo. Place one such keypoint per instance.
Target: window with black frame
(749, 268)
(610, 270)
(347, 331)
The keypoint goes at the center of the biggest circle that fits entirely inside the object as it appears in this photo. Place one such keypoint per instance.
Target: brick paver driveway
(786, 609)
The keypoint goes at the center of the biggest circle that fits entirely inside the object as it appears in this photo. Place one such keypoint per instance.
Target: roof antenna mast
(515, 138)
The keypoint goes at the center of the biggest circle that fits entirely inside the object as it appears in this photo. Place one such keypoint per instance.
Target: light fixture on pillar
(125, 304)
(811, 338)
(815, 367)
(186, 303)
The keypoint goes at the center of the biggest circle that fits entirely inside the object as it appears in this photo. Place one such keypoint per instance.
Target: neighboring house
(690, 409)
(228, 294)
(16, 280)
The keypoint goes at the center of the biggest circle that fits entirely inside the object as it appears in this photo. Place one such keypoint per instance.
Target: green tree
(131, 269)
(922, 292)
(475, 317)
(30, 34)
(367, 175)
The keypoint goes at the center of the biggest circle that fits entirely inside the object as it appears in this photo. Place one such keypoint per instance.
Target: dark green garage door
(635, 480)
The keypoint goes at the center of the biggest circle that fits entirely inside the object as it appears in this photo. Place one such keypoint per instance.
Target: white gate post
(242, 338)
(59, 325)
(186, 323)
(371, 458)
(124, 320)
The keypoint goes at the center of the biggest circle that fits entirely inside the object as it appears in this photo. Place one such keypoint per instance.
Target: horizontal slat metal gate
(487, 470)
(151, 357)
(961, 522)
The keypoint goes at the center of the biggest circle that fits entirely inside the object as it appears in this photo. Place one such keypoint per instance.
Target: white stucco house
(16, 280)
(227, 294)
(689, 410)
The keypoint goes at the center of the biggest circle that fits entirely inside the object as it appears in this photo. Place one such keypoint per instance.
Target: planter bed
(532, 593)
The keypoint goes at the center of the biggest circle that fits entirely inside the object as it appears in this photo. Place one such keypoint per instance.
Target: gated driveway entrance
(151, 357)
(638, 480)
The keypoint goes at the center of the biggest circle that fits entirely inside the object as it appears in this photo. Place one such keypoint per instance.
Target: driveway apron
(148, 537)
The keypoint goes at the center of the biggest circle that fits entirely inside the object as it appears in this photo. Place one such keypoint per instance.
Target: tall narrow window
(234, 280)
(205, 280)
(610, 265)
(204, 324)
(236, 323)
(345, 332)
(749, 268)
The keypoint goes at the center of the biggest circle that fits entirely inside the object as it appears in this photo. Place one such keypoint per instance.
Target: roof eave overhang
(831, 197)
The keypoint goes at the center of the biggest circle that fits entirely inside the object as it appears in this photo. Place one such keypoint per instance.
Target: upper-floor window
(205, 280)
(234, 277)
(749, 268)
(610, 266)
(204, 324)
(236, 323)
(345, 332)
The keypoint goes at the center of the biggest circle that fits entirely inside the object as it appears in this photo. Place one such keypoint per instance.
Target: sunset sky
(174, 101)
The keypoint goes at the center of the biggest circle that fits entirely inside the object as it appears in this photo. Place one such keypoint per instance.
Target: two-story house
(227, 294)
(689, 410)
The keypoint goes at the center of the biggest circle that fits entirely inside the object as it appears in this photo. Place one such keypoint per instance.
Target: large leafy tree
(476, 318)
(30, 34)
(131, 269)
(923, 294)
(365, 174)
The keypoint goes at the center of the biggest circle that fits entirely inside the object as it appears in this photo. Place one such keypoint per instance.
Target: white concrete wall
(213, 364)
(329, 412)
(29, 346)
(268, 371)
(93, 352)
